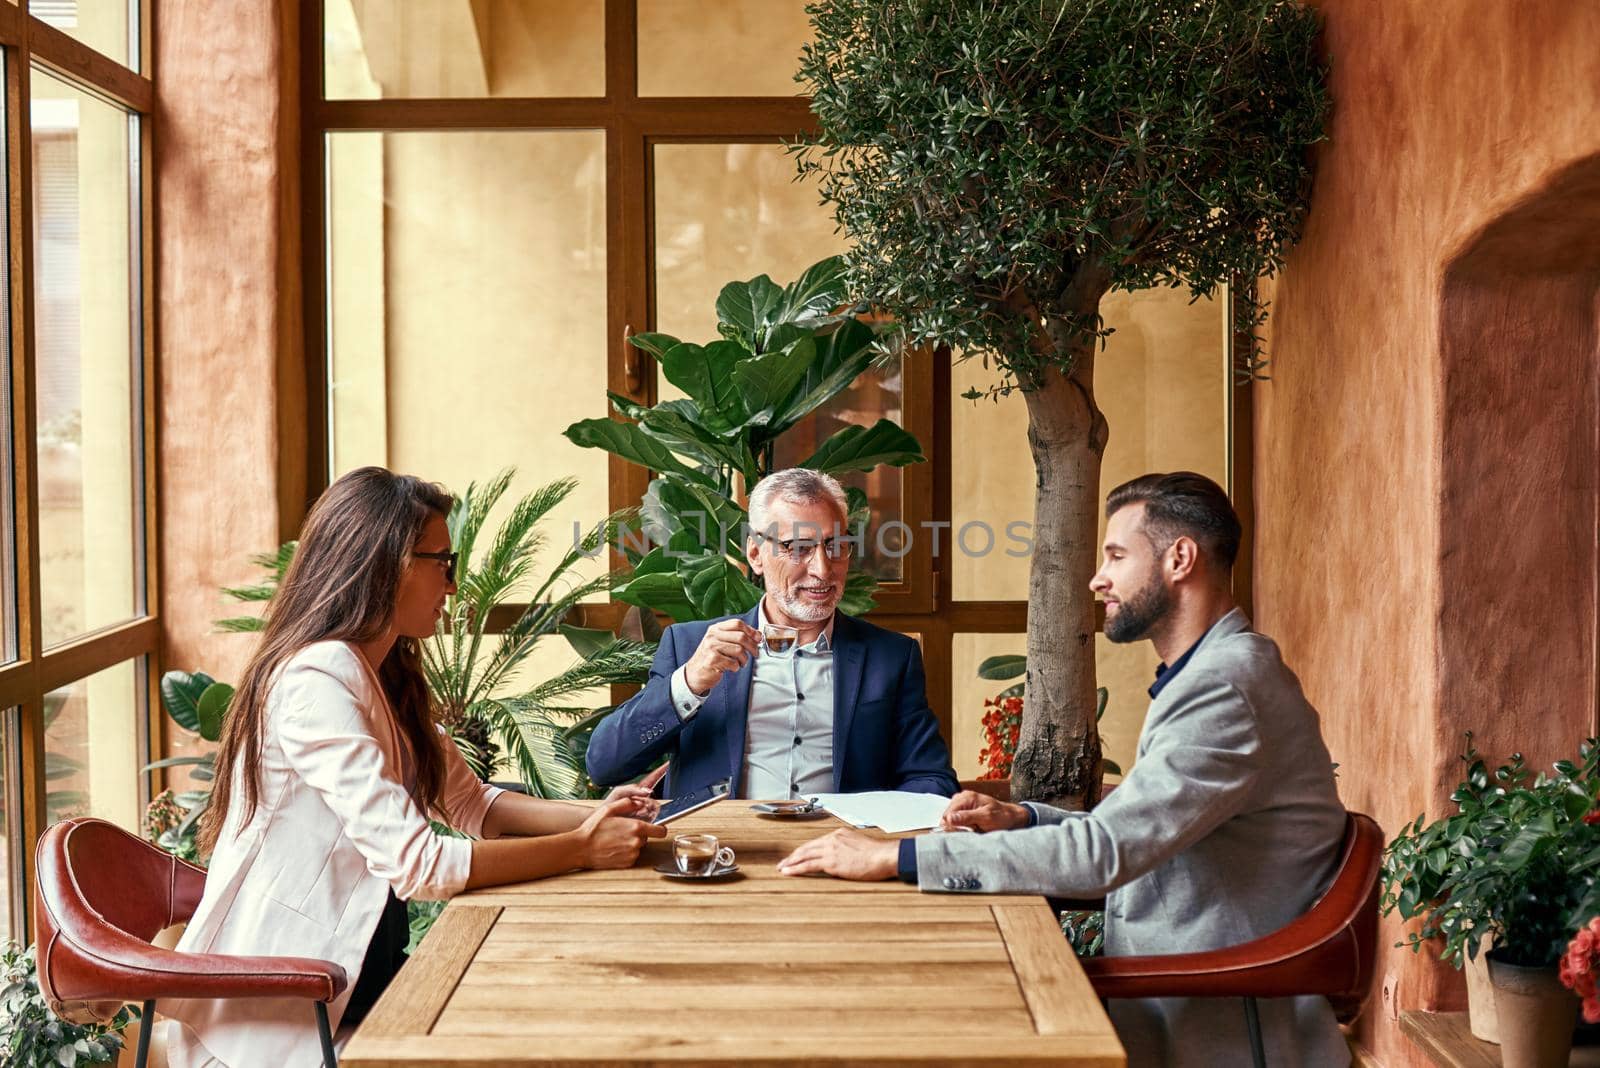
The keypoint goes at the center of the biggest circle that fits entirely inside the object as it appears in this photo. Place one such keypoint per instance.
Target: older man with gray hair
(841, 708)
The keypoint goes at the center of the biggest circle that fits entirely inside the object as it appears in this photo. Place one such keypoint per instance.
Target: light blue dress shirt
(789, 729)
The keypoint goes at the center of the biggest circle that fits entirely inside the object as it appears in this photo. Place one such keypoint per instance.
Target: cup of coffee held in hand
(778, 638)
(700, 854)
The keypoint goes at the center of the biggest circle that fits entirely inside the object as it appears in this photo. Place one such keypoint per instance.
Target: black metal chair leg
(1252, 1020)
(329, 1058)
(146, 1020)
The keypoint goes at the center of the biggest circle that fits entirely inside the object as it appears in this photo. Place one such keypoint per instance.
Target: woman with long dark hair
(331, 765)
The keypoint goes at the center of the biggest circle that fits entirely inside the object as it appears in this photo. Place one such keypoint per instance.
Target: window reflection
(92, 745)
(89, 484)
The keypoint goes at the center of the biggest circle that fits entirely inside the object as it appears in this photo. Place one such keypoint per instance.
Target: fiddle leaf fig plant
(784, 351)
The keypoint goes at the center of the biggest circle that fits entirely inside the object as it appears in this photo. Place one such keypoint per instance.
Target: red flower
(1592, 816)
(1578, 965)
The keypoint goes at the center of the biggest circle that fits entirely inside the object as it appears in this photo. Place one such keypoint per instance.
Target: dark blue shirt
(1164, 675)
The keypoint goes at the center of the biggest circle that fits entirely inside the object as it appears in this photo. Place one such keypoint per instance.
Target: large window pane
(727, 212)
(721, 47)
(1126, 671)
(93, 741)
(449, 48)
(100, 24)
(89, 499)
(467, 310)
(1161, 381)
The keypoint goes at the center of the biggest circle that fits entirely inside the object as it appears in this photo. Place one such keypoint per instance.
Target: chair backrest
(1354, 895)
(100, 896)
(1331, 949)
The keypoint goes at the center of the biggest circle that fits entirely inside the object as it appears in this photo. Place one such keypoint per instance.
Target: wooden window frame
(632, 126)
(28, 42)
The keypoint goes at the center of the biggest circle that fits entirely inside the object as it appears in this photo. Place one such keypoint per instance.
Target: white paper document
(891, 811)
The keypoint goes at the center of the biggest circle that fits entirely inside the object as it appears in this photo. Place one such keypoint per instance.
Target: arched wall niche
(1520, 415)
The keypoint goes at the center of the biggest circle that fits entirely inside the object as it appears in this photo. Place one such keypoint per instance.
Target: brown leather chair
(101, 894)
(1330, 950)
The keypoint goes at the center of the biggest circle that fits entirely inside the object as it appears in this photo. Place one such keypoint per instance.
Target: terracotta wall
(1425, 449)
(227, 309)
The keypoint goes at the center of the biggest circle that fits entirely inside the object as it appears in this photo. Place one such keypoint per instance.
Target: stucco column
(232, 386)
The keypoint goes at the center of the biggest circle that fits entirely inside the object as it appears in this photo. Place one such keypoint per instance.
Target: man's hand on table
(846, 855)
(972, 811)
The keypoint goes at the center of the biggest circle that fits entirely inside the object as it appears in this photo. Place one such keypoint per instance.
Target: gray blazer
(1227, 828)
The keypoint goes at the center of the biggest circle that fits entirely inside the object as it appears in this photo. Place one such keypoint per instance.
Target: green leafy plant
(1085, 931)
(1002, 716)
(543, 728)
(276, 565)
(1519, 861)
(784, 352)
(198, 703)
(999, 168)
(33, 1036)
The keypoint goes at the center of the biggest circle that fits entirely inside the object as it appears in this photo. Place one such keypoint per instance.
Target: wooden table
(630, 968)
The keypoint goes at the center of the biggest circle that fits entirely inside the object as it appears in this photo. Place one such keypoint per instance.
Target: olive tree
(999, 166)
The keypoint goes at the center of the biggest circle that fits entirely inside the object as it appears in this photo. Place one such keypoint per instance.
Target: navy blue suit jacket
(884, 733)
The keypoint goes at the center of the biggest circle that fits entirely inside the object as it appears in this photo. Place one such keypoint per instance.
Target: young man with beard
(844, 710)
(1227, 827)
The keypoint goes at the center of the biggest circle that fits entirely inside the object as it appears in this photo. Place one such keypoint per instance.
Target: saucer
(783, 810)
(669, 868)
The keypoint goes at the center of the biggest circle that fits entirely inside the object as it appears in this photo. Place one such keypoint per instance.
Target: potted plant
(1423, 856)
(1520, 866)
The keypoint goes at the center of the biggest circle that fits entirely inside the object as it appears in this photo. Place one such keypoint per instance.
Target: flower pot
(1481, 1013)
(1536, 1015)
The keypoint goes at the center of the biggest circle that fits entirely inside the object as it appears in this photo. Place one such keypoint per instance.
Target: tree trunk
(1058, 750)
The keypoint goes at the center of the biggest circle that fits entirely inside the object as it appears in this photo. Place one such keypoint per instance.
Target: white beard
(799, 608)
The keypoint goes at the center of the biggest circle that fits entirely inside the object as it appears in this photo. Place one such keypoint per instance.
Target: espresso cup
(779, 639)
(699, 854)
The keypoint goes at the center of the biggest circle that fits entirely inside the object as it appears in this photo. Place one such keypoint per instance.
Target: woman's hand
(613, 836)
(646, 806)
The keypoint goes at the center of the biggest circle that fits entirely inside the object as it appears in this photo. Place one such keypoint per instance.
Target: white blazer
(308, 876)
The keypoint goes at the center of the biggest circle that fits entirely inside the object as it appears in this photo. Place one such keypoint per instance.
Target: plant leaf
(859, 597)
(655, 344)
(717, 587)
(587, 641)
(661, 592)
(745, 309)
(706, 375)
(859, 448)
(180, 696)
(765, 381)
(628, 441)
(842, 355)
(211, 708)
(816, 293)
(1007, 666)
